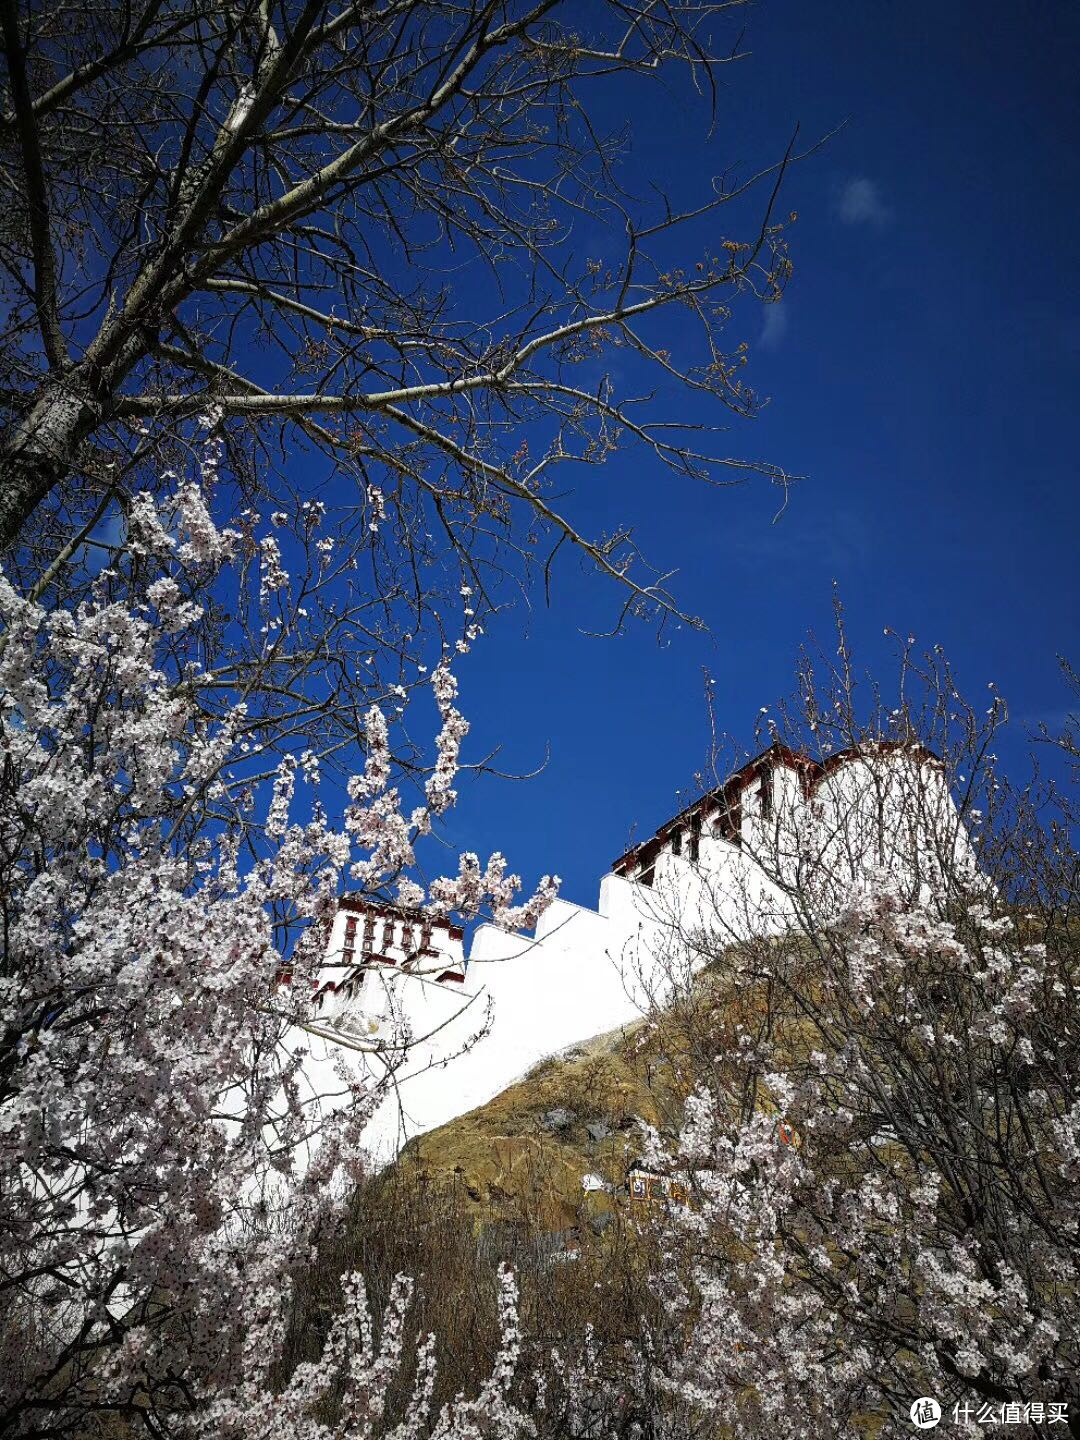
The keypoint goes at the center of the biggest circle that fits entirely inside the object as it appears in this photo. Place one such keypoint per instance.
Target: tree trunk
(40, 450)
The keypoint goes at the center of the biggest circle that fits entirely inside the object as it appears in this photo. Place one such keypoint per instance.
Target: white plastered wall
(586, 972)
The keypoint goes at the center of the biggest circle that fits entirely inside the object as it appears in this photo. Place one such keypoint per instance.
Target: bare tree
(351, 227)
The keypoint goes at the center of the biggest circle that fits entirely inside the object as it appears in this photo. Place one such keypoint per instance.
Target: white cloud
(774, 326)
(859, 202)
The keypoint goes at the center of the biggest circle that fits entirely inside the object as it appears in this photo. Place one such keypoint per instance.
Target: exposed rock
(557, 1119)
(524, 1153)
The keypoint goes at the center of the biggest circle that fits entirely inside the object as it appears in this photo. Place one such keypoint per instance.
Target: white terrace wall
(890, 813)
(585, 972)
(392, 999)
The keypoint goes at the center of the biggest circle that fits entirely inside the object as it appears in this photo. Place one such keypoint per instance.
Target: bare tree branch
(45, 272)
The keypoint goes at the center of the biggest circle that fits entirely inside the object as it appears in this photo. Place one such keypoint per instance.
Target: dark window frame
(765, 794)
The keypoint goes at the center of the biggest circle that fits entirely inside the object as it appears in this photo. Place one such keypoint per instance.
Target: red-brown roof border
(812, 772)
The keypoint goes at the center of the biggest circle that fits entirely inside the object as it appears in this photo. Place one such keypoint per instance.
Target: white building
(732, 864)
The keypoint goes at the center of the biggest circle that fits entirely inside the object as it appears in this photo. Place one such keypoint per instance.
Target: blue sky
(922, 373)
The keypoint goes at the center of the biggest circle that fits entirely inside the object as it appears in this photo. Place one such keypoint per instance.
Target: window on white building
(728, 823)
(765, 794)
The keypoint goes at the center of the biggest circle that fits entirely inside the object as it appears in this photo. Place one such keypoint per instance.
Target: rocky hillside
(554, 1150)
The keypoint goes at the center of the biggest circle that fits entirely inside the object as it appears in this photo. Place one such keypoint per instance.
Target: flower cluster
(885, 1149)
(162, 1167)
(475, 887)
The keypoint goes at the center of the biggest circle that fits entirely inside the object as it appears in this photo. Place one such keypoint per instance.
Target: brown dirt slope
(523, 1156)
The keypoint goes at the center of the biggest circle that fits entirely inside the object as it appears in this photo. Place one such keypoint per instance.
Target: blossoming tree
(883, 1137)
(160, 858)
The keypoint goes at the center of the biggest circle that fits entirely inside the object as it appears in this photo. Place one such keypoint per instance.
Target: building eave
(811, 773)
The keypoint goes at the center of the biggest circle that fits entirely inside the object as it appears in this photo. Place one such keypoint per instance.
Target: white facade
(731, 865)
